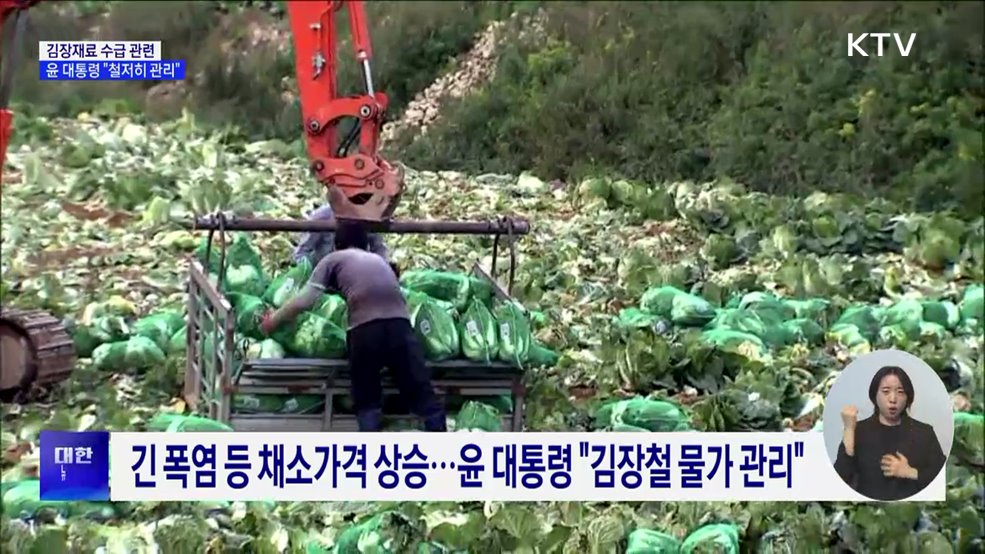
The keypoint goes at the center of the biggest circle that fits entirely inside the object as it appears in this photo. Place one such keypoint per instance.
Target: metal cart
(218, 374)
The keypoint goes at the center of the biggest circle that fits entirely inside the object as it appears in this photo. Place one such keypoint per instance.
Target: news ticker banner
(106, 61)
(99, 51)
(412, 466)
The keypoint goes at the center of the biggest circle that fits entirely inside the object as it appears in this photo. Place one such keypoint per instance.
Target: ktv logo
(855, 43)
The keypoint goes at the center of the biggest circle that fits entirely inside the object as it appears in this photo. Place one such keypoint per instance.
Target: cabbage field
(735, 310)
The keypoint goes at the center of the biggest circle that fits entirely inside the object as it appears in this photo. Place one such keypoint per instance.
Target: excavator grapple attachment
(377, 204)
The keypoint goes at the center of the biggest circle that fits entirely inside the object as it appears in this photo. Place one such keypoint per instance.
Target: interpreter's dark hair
(351, 234)
(904, 380)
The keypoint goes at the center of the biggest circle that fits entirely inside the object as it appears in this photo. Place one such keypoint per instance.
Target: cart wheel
(35, 351)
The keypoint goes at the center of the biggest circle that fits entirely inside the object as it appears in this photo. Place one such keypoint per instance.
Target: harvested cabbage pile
(463, 320)
(757, 323)
(454, 315)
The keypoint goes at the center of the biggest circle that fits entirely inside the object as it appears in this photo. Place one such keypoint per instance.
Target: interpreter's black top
(914, 439)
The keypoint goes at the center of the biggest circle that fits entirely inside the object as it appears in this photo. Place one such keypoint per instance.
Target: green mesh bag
(721, 538)
(333, 307)
(849, 336)
(178, 423)
(969, 438)
(443, 285)
(906, 315)
(816, 309)
(249, 312)
(437, 331)
(646, 541)
(305, 404)
(385, 533)
(135, 353)
(728, 340)
(750, 322)
(240, 252)
(659, 301)
(102, 330)
(503, 403)
(626, 428)
(476, 416)
(265, 349)
(159, 327)
(481, 290)
(541, 356)
(944, 313)
(635, 318)
(972, 307)
(768, 307)
(285, 286)
(514, 333)
(866, 319)
(680, 307)
(245, 279)
(479, 333)
(691, 310)
(932, 333)
(642, 413)
(415, 299)
(317, 337)
(178, 343)
(805, 331)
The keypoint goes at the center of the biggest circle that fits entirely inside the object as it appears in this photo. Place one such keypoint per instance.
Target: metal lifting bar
(222, 222)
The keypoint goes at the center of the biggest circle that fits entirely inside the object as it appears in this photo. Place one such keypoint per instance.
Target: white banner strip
(99, 50)
(479, 466)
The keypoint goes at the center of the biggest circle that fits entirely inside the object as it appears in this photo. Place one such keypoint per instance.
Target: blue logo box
(74, 465)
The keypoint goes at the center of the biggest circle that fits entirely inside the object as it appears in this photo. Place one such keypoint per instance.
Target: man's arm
(303, 301)
(322, 280)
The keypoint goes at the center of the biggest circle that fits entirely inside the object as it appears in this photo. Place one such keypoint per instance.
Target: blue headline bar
(127, 70)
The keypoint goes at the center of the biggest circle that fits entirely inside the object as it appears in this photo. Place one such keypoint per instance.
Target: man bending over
(379, 333)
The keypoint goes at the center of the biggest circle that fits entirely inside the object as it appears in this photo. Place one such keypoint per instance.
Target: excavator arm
(361, 185)
(9, 50)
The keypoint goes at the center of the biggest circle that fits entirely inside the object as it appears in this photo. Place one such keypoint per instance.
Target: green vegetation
(761, 92)
(229, 83)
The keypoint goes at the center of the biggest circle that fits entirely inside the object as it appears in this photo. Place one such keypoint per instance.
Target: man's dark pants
(390, 343)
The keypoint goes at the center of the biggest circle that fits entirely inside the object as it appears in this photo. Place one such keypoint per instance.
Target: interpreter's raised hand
(896, 465)
(849, 416)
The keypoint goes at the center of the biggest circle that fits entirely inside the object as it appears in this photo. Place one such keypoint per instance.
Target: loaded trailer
(313, 394)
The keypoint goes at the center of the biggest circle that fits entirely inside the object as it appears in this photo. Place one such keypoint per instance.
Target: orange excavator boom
(361, 185)
(9, 51)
